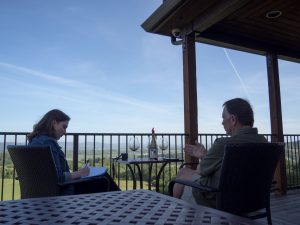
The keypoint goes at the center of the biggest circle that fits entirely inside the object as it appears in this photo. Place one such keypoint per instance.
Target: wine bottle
(153, 150)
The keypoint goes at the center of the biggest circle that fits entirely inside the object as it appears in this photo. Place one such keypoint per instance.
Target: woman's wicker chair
(245, 180)
(37, 174)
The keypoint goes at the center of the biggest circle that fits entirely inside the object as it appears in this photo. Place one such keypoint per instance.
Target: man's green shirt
(210, 165)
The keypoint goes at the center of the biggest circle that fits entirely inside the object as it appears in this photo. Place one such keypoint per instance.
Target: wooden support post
(276, 118)
(190, 91)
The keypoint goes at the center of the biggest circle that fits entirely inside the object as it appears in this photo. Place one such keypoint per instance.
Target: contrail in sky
(237, 74)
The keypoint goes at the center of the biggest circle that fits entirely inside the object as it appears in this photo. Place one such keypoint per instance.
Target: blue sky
(93, 60)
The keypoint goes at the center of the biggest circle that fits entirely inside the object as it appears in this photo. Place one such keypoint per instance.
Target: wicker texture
(126, 207)
(36, 170)
(38, 177)
(246, 178)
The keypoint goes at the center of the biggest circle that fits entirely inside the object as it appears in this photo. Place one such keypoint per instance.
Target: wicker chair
(245, 180)
(37, 173)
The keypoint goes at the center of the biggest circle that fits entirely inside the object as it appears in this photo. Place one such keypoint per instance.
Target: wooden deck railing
(100, 148)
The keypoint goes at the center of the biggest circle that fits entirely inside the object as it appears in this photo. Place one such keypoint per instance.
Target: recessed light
(273, 14)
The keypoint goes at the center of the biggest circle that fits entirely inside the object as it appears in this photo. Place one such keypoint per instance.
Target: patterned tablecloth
(122, 207)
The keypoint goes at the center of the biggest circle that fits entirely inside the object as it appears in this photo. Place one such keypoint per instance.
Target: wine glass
(134, 144)
(163, 144)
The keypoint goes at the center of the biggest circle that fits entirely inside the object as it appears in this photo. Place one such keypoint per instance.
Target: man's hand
(198, 150)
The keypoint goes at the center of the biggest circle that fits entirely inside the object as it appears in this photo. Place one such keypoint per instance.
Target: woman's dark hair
(241, 109)
(45, 125)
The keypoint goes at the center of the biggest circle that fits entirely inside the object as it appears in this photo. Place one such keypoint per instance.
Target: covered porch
(99, 148)
(187, 22)
(269, 28)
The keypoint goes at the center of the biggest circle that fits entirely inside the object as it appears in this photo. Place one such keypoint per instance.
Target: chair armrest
(183, 164)
(273, 186)
(88, 185)
(81, 180)
(201, 187)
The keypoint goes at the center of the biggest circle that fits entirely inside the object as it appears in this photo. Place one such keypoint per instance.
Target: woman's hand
(80, 173)
(84, 171)
(198, 150)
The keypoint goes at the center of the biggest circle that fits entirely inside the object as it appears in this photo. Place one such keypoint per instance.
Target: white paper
(96, 171)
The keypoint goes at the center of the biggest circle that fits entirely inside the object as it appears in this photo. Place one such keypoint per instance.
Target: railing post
(75, 152)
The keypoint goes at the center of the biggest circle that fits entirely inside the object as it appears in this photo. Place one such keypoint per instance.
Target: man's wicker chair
(245, 180)
(37, 174)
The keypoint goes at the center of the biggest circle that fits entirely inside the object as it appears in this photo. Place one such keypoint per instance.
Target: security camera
(176, 32)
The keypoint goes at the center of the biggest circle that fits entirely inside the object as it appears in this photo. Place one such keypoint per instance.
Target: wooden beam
(216, 13)
(276, 117)
(190, 91)
(246, 44)
(162, 15)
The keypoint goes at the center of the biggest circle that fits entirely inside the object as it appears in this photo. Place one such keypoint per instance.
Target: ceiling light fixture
(273, 14)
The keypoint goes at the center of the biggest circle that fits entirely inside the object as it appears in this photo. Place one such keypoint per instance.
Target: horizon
(97, 64)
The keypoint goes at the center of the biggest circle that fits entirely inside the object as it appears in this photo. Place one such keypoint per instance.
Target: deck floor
(285, 210)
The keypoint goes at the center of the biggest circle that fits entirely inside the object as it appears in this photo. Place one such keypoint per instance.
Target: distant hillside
(89, 146)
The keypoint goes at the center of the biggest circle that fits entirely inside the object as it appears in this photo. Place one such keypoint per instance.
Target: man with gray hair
(238, 120)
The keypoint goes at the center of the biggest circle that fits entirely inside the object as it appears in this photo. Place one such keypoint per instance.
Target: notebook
(96, 171)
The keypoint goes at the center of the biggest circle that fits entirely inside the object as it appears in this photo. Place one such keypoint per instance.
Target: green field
(8, 187)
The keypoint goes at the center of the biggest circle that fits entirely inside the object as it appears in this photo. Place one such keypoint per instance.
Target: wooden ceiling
(236, 24)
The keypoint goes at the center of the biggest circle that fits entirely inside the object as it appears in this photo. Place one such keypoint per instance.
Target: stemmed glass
(134, 144)
(163, 144)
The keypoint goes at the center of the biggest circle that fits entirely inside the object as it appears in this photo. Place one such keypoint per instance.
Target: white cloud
(45, 76)
(83, 93)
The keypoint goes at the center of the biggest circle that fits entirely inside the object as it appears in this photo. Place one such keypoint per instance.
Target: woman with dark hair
(48, 131)
(46, 124)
